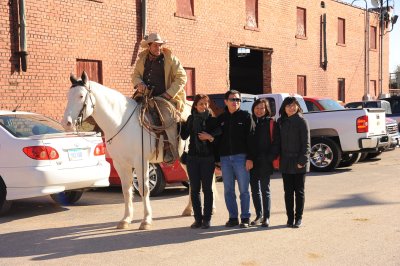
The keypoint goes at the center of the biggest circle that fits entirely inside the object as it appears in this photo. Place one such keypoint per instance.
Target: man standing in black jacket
(235, 162)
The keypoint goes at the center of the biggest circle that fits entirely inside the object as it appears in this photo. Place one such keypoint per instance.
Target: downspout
(144, 17)
(22, 36)
(325, 62)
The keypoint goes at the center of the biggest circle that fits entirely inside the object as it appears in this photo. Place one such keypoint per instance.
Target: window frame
(184, 13)
(249, 9)
(343, 43)
(304, 23)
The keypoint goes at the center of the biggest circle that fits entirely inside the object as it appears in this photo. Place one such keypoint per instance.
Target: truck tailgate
(376, 122)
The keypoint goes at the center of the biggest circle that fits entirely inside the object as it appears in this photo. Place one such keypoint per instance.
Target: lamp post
(366, 95)
(381, 32)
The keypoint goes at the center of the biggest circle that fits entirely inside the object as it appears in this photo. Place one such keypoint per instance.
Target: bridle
(79, 118)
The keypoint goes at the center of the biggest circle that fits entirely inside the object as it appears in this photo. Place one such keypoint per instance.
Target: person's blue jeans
(234, 167)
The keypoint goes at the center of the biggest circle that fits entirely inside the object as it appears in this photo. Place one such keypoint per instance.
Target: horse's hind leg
(125, 174)
(144, 191)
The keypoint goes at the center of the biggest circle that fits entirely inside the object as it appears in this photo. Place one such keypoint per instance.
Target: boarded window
(372, 37)
(301, 22)
(341, 31)
(372, 87)
(190, 84)
(92, 67)
(341, 90)
(185, 7)
(252, 13)
(301, 85)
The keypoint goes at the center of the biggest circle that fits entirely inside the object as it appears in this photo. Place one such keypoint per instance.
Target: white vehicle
(334, 133)
(37, 157)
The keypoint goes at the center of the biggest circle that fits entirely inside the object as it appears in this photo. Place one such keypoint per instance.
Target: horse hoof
(145, 226)
(123, 225)
(187, 212)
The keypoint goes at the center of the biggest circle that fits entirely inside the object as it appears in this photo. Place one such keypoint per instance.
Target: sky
(394, 56)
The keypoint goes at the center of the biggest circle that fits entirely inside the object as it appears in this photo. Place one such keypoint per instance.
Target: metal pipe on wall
(22, 36)
(144, 17)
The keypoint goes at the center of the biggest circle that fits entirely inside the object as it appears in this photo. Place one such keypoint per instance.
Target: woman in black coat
(202, 128)
(265, 148)
(294, 157)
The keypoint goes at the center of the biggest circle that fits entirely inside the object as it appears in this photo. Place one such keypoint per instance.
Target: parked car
(321, 104)
(391, 125)
(39, 158)
(159, 176)
(394, 102)
(327, 104)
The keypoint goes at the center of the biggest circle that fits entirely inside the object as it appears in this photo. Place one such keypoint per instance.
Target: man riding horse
(159, 72)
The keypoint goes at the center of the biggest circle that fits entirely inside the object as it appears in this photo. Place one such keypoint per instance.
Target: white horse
(127, 141)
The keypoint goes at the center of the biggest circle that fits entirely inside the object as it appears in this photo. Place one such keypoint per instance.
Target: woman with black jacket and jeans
(265, 148)
(202, 128)
(294, 157)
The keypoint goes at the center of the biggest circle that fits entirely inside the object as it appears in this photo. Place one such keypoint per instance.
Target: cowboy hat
(152, 37)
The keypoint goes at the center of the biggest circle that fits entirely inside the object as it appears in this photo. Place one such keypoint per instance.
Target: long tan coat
(175, 76)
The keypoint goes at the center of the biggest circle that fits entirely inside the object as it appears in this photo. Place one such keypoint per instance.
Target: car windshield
(26, 125)
(329, 104)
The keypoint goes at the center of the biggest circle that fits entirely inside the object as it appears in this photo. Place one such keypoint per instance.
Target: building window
(302, 85)
(185, 8)
(341, 90)
(93, 68)
(372, 87)
(301, 31)
(190, 87)
(341, 31)
(372, 37)
(251, 13)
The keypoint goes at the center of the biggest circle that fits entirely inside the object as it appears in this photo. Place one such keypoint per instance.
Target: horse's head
(80, 102)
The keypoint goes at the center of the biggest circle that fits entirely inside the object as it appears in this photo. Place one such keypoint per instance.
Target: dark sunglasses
(234, 100)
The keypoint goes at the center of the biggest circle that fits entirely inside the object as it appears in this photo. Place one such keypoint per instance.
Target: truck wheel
(156, 180)
(349, 159)
(325, 155)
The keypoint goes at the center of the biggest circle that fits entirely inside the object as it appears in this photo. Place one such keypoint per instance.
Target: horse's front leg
(125, 174)
(144, 190)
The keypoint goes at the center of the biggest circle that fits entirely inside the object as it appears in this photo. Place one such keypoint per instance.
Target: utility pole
(366, 95)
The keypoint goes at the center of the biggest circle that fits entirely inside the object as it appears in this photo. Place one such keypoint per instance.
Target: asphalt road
(351, 217)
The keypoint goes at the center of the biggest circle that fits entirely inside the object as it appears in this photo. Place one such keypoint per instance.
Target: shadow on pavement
(53, 243)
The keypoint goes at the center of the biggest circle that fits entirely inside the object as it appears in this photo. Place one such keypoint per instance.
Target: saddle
(160, 117)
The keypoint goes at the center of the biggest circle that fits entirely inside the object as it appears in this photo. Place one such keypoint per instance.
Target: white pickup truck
(334, 134)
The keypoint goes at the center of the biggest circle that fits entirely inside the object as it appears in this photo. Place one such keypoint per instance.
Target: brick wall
(60, 32)
(203, 43)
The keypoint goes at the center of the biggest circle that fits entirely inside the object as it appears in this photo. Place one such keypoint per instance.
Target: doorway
(246, 70)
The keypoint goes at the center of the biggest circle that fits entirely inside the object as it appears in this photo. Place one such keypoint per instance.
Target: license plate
(75, 154)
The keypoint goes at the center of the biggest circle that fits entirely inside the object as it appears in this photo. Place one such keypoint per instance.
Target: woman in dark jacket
(294, 157)
(265, 148)
(202, 128)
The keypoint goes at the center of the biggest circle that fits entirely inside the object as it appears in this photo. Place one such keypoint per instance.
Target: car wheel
(156, 180)
(372, 155)
(325, 155)
(5, 205)
(349, 159)
(67, 197)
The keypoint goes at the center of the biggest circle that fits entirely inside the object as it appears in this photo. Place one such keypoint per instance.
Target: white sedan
(37, 157)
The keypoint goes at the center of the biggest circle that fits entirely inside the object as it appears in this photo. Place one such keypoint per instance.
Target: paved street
(351, 218)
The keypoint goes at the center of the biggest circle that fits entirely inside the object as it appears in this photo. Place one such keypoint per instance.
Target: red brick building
(289, 49)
